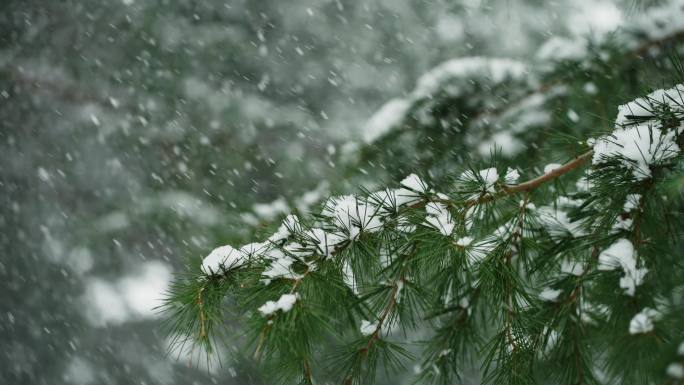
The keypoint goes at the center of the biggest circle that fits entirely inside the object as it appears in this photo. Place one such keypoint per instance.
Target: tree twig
(202, 317)
(534, 183)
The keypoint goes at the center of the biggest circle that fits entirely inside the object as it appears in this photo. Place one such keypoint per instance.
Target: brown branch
(298, 281)
(516, 239)
(308, 376)
(532, 183)
(381, 320)
(264, 331)
(553, 174)
(385, 313)
(200, 304)
(260, 343)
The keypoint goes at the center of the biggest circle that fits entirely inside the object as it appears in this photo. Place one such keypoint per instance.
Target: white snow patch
(284, 303)
(439, 218)
(632, 202)
(572, 268)
(464, 241)
(561, 49)
(289, 226)
(280, 267)
(414, 183)
(549, 294)
(643, 322)
(353, 215)
(662, 21)
(621, 254)
(326, 242)
(400, 287)
(348, 277)
(675, 370)
(387, 117)
(367, 328)
(497, 70)
(551, 166)
(637, 147)
(639, 140)
(490, 176)
(558, 223)
(512, 176)
(222, 258)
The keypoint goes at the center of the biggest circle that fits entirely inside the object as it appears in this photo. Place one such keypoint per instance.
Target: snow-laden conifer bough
(471, 107)
(514, 275)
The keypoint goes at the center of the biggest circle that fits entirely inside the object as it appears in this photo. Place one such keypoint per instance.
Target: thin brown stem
(383, 316)
(516, 239)
(202, 317)
(536, 182)
(264, 331)
(308, 376)
(298, 281)
(392, 303)
(529, 185)
(260, 344)
(376, 334)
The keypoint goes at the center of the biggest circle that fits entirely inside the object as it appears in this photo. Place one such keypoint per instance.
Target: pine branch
(489, 114)
(533, 183)
(384, 315)
(414, 237)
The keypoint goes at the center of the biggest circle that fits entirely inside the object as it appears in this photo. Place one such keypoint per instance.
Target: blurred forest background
(136, 135)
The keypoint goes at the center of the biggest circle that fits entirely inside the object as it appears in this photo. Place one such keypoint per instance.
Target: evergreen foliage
(520, 254)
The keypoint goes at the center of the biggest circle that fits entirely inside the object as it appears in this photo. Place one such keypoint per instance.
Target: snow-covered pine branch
(483, 105)
(472, 107)
(560, 271)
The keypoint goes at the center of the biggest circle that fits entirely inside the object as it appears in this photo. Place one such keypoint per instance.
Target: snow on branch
(383, 255)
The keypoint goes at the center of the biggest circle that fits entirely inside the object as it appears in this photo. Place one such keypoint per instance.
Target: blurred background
(136, 135)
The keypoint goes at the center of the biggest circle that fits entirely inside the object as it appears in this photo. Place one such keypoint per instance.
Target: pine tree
(540, 243)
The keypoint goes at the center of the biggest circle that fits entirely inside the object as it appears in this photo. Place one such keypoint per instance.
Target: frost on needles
(505, 275)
